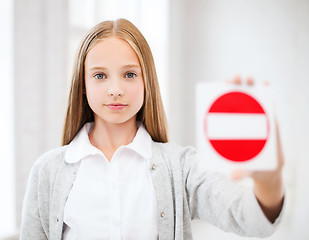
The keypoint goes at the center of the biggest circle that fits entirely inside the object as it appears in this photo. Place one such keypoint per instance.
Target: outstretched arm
(268, 186)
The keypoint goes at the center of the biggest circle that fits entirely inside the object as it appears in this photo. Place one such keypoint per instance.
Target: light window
(7, 183)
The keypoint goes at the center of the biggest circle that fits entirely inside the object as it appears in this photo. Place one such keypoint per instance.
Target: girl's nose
(115, 93)
(115, 90)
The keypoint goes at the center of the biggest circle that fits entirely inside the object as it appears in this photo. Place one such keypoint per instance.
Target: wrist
(270, 180)
(269, 191)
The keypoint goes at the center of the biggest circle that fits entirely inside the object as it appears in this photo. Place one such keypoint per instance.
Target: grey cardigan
(185, 190)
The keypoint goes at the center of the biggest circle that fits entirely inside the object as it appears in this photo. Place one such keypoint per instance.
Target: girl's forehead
(111, 50)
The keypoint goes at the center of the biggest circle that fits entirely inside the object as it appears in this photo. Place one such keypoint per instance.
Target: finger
(237, 80)
(250, 81)
(266, 83)
(239, 174)
(229, 81)
(279, 148)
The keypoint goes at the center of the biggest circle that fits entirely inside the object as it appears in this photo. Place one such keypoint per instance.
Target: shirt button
(153, 167)
(162, 214)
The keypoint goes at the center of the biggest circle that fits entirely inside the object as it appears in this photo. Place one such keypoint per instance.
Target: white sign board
(235, 126)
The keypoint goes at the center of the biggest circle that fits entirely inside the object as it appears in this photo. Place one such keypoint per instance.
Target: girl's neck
(108, 137)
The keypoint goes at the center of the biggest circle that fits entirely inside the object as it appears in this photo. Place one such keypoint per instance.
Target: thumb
(239, 174)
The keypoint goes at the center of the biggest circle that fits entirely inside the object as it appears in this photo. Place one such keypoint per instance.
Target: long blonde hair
(151, 114)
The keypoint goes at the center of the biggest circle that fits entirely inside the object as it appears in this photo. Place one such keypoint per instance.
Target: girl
(116, 176)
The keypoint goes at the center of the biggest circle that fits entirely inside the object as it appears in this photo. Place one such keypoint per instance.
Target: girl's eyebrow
(97, 68)
(123, 67)
(131, 66)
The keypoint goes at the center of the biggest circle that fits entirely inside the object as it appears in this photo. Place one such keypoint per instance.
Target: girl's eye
(130, 75)
(99, 76)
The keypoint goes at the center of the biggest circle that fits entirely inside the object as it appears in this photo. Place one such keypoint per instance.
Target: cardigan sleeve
(32, 224)
(214, 198)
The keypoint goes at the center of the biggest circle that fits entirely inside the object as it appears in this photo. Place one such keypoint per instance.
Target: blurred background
(191, 40)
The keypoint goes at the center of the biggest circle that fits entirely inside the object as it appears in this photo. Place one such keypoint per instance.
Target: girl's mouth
(116, 106)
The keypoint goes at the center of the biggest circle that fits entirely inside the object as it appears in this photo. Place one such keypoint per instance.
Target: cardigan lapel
(164, 193)
(63, 183)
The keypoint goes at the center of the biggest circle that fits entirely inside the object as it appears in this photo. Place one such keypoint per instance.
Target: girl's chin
(117, 121)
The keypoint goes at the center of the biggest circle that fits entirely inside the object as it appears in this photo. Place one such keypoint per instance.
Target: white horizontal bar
(236, 126)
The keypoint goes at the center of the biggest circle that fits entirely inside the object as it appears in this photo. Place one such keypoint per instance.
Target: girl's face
(114, 81)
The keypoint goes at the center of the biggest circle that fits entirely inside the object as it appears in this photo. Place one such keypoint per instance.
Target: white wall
(214, 40)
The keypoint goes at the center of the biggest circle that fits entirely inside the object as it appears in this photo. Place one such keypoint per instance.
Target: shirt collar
(141, 143)
(80, 147)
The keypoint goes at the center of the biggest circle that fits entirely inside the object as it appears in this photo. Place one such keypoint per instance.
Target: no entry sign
(235, 126)
(240, 115)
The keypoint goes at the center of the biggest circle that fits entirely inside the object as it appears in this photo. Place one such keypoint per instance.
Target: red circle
(237, 150)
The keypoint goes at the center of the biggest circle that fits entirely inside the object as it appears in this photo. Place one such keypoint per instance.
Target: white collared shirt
(111, 200)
